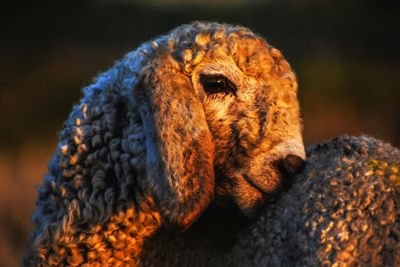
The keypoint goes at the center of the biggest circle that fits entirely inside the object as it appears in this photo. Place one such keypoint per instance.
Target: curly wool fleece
(342, 210)
(141, 149)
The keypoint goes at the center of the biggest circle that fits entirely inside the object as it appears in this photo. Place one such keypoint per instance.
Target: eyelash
(214, 84)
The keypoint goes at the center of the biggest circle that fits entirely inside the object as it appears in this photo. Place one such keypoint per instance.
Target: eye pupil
(217, 84)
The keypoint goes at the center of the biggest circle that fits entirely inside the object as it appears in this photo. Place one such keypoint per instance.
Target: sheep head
(234, 96)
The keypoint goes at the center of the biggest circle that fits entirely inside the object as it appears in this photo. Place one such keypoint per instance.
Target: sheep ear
(180, 150)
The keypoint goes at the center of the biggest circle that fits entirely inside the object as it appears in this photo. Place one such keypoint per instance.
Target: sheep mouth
(246, 190)
(253, 184)
(249, 197)
(267, 178)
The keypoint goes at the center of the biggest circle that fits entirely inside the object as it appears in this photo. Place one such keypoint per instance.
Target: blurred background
(345, 53)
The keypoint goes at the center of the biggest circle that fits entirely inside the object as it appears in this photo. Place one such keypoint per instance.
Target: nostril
(291, 164)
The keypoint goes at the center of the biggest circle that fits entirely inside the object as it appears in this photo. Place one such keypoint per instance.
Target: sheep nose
(291, 164)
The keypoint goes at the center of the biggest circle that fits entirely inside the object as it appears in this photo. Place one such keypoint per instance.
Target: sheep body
(342, 210)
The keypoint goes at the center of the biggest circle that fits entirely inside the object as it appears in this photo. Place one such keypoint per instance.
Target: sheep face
(249, 96)
(221, 117)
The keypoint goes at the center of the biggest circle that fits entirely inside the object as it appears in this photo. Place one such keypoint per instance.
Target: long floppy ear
(180, 150)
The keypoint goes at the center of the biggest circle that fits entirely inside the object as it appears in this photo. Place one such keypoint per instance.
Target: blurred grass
(345, 54)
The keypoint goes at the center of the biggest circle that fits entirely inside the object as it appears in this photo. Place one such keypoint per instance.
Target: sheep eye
(214, 84)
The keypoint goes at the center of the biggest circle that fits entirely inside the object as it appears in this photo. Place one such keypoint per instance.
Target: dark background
(345, 53)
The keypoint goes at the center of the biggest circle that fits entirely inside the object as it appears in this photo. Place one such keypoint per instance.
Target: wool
(343, 209)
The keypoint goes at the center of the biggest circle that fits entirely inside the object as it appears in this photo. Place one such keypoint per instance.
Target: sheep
(207, 113)
(343, 209)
